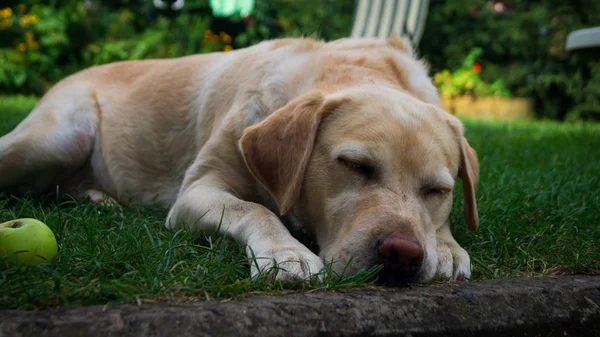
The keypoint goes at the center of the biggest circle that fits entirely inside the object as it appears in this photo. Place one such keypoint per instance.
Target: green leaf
(19, 78)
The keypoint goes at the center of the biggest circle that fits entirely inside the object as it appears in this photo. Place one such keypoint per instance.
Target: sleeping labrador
(345, 138)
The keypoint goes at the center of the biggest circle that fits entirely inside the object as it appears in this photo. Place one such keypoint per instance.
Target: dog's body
(347, 137)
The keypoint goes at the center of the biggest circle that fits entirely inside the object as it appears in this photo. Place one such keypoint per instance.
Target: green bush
(41, 43)
(466, 80)
(325, 19)
(58, 38)
(32, 46)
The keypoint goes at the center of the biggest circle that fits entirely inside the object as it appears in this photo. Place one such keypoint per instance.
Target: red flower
(477, 68)
(248, 21)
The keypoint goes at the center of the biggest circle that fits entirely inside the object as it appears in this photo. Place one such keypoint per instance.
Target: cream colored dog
(347, 138)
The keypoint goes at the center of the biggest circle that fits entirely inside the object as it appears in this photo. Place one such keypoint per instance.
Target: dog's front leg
(271, 249)
(453, 261)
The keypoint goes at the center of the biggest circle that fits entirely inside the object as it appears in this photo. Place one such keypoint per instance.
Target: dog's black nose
(402, 257)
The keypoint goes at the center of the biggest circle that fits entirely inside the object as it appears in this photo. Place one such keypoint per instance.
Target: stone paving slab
(554, 306)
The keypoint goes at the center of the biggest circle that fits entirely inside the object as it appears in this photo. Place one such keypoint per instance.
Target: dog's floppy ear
(468, 171)
(278, 149)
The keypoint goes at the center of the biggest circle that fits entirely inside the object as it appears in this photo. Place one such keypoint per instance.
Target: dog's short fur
(347, 138)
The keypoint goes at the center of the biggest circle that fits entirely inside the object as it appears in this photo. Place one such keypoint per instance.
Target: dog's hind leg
(52, 143)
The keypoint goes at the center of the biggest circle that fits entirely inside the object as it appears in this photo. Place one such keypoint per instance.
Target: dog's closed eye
(438, 185)
(435, 191)
(363, 168)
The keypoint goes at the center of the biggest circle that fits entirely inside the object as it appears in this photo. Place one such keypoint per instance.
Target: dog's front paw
(453, 261)
(100, 198)
(285, 263)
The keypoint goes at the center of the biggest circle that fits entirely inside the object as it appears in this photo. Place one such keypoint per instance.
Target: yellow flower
(30, 40)
(21, 47)
(6, 12)
(225, 37)
(33, 45)
(29, 37)
(209, 36)
(27, 20)
(5, 23)
(21, 8)
(227, 48)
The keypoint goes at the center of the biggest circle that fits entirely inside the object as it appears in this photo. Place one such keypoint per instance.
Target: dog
(346, 139)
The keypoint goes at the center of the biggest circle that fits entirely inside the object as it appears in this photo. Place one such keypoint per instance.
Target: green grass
(539, 204)
(13, 109)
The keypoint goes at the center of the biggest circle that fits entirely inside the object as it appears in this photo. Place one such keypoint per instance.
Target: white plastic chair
(583, 39)
(382, 18)
(177, 5)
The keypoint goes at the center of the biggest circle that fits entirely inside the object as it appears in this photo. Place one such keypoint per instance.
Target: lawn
(539, 204)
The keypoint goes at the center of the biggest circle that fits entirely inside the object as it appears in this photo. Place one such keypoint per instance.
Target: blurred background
(510, 50)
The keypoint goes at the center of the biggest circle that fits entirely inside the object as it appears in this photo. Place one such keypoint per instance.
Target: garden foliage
(509, 48)
(466, 80)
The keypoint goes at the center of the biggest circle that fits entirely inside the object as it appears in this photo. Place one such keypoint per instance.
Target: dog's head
(371, 171)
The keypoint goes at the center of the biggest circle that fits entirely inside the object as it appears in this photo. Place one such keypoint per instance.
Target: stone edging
(555, 306)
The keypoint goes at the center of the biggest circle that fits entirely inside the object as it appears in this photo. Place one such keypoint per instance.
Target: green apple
(26, 242)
